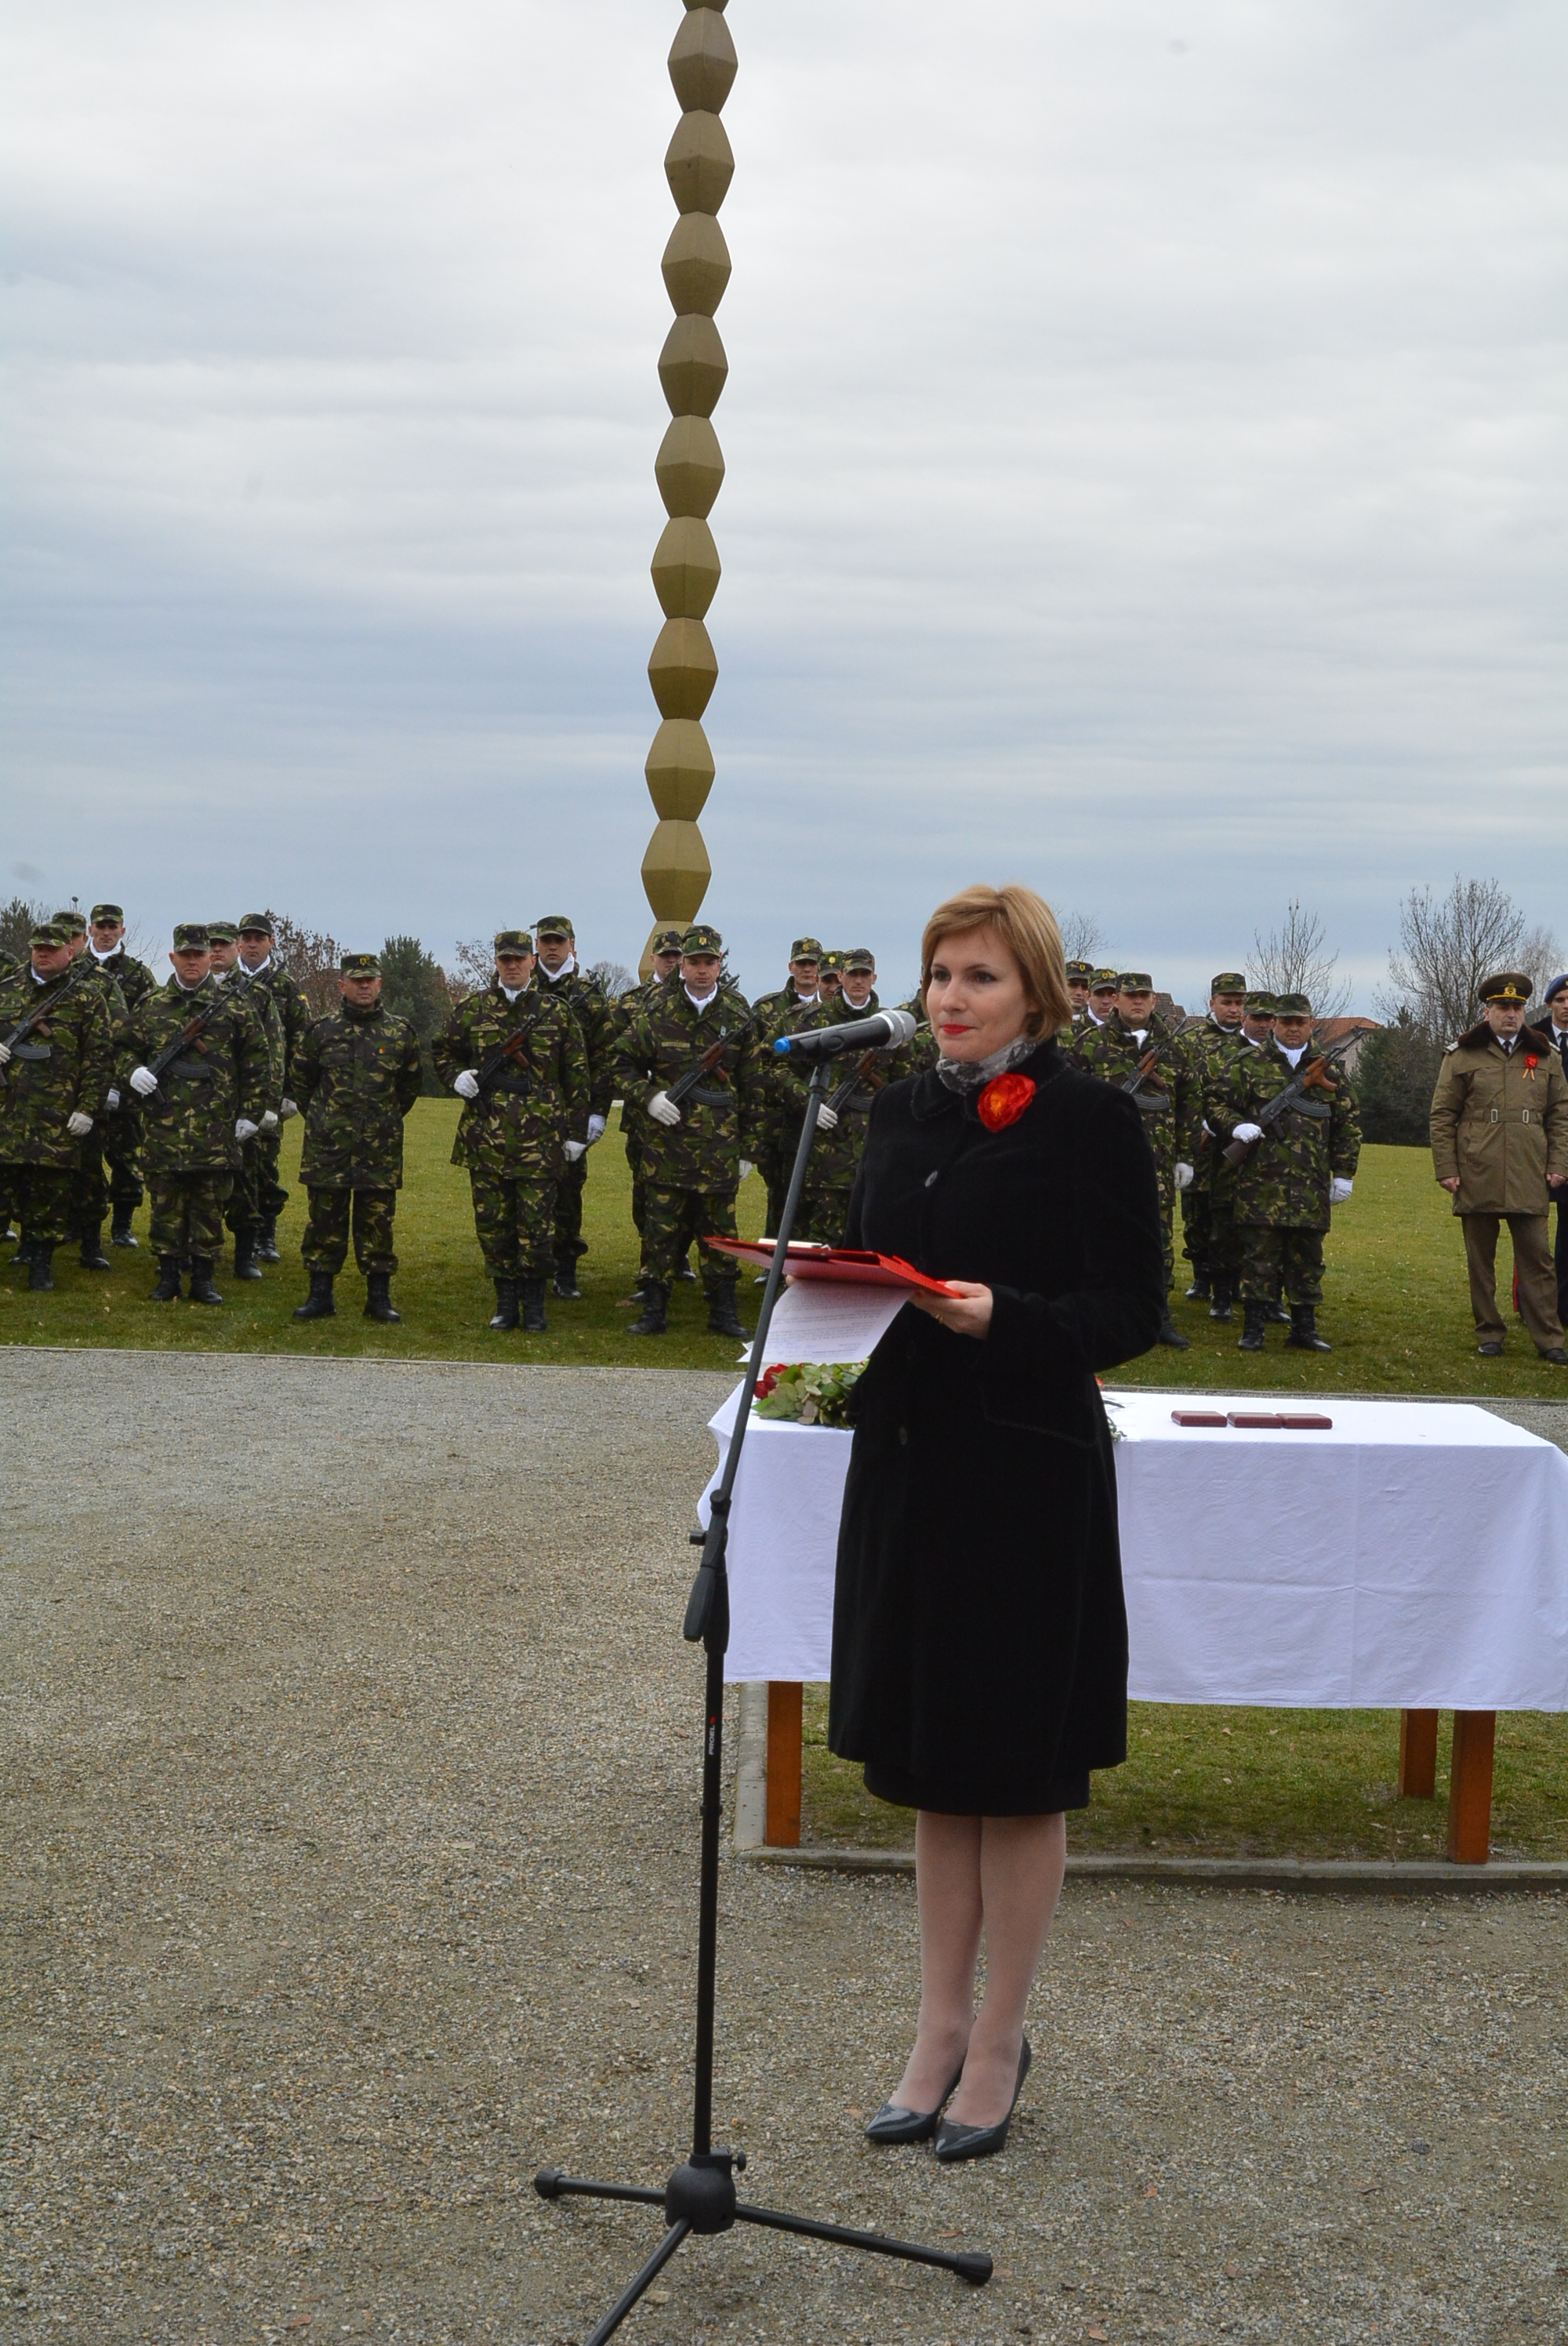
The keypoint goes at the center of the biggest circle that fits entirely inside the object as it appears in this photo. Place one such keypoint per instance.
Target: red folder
(848, 1265)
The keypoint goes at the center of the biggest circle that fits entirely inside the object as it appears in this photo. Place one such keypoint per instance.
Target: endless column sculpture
(689, 467)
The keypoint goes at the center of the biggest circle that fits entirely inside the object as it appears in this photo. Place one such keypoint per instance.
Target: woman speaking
(979, 1648)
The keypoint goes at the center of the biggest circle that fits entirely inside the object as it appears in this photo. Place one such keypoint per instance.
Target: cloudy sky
(1143, 444)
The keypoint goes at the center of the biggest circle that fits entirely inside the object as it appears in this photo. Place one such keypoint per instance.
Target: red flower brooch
(1004, 1101)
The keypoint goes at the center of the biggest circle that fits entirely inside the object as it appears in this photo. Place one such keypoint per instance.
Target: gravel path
(350, 1788)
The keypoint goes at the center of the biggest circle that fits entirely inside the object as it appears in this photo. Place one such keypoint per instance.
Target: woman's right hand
(967, 1310)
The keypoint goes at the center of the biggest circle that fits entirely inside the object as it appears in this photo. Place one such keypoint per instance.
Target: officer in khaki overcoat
(1500, 1145)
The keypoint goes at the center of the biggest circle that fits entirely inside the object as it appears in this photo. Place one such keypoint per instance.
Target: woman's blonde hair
(1027, 926)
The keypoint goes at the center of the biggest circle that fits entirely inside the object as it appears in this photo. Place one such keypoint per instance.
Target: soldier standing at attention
(776, 1152)
(53, 1083)
(1079, 973)
(1556, 998)
(1296, 1169)
(357, 1074)
(1209, 1246)
(830, 978)
(84, 1215)
(1500, 1147)
(243, 1211)
(835, 1158)
(559, 973)
(665, 960)
(1100, 1005)
(116, 1138)
(1172, 1105)
(516, 1057)
(694, 1158)
(199, 1112)
(268, 977)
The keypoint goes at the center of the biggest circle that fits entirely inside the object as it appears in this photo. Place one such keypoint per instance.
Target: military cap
(1229, 981)
(701, 939)
(1259, 1003)
(1135, 981)
(73, 924)
(262, 923)
(1083, 969)
(49, 933)
(1555, 988)
(222, 933)
(1101, 980)
(514, 941)
(666, 941)
(1292, 1005)
(555, 924)
(191, 937)
(107, 913)
(362, 964)
(806, 949)
(1508, 986)
(832, 963)
(859, 958)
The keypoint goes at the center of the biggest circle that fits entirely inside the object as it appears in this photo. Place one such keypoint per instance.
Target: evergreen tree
(414, 987)
(1395, 1077)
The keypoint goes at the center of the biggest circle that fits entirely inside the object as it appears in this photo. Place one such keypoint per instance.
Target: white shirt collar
(1137, 1034)
(511, 991)
(1296, 1056)
(260, 965)
(554, 977)
(101, 956)
(698, 1001)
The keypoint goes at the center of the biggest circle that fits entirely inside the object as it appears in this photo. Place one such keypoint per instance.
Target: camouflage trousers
(673, 1219)
(569, 1242)
(40, 1200)
(187, 1211)
(1279, 1257)
(257, 1196)
(775, 1164)
(515, 1222)
(112, 1143)
(823, 1215)
(332, 1211)
(1209, 1235)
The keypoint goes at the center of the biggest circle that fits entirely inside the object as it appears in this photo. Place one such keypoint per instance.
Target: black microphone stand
(700, 2197)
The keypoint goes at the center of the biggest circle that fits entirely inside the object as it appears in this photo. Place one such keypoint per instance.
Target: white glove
(466, 1085)
(576, 1149)
(112, 1098)
(596, 1125)
(663, 1109)
(827, 1120)
(77, 1124)
(143, 1081)
(1340, 1190)
(244, 1129)
(286, 1108)
(1182, 1177)
(5, 1054)
(1247, 1132)
(746, 1169)
(270, 1121)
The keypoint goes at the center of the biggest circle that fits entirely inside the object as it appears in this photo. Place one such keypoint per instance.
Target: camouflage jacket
(1285, 1179)
(594, 1013)
(134, 978)
(1207, 1050)
(773, 1012)
(64, 1065)
(356, 1076)
(263, 1007)
(723, 1118)
(518, 1127)
(836, 1156)
(188, 1125)
(294, 1014)
(1171, 1101)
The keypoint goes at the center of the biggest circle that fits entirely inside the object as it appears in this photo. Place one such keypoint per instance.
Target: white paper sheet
(831, 1321)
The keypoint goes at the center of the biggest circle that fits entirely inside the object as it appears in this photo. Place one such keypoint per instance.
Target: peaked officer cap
(1508, 986)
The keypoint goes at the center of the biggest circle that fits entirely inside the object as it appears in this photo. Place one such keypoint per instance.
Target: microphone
(884, 1030)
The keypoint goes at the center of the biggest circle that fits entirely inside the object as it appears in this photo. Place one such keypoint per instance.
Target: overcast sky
(1145, 453)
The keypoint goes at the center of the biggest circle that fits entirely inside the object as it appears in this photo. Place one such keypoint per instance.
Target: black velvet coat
(979, 1640)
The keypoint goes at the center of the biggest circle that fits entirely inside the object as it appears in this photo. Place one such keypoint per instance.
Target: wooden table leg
(783, 1764)
(1469, 1787)
(1417, 1754)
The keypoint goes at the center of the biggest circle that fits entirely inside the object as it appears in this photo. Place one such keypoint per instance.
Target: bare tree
(1083, 938)
(614, 977)
(1295, 959)
(311, 957)
(1448, 944)
(473, 967)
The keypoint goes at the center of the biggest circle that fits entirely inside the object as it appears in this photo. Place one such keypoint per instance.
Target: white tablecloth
(1415, 1556)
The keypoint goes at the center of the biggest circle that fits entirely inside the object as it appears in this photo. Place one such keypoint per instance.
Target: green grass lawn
(1395, 1306)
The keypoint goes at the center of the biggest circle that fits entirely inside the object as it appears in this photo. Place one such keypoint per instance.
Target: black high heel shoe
(955, 2141)
(894, 2124)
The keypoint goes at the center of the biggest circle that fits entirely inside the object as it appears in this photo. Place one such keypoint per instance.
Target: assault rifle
(188, 1034)
(841, 1094)
(40, 1010)
(514, 1051)
(1132, 1084)
(683, 1085)
(1311, 1076)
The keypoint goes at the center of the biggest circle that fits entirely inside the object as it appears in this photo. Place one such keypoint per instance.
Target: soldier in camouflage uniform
(1208, 1221)
(85, 1214)
(1295, 1170)
(1079, 973)
(776, 1144)
(559, 973)
(524, 1121)
(265, 974)
(1171, 1104)
(242, 1212)
(115, 1140)
(53, 1083)
(835, 1158)
(356, 1075)
(695, 1152)
(665, 960)
(197, 1113)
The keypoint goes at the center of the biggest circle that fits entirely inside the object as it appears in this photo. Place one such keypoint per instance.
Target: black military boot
(1221, 1300)
(1198, 1291)
(1253, 1313)
(120, 1230)
(92, 1256)
(1275, 1314)
(506, 1312)
(1172, 1335)
(318, 1303)
(566, 1282)
(1304, 1336)
(378, 1299)
(723, 1319)
(202, 1291)
(267, 1239)
(245, 1263)
(531, 1295)
(168, 1287)
(656, 1296)
(686, 1275)
(41, 1268)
